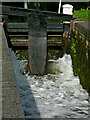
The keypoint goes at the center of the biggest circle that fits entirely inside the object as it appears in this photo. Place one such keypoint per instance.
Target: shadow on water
(26, 94)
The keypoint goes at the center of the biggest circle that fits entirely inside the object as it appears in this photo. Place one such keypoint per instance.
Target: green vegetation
(73, 47)
(81, 61)
(82, 14)
(46, 6)
(53, 21)
(17, 19)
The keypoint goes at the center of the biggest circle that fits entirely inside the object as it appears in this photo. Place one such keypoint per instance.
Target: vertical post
(37, 48)
(59, 7)
(25, 5)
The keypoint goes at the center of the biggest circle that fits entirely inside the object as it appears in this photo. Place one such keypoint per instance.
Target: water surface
(58, 94)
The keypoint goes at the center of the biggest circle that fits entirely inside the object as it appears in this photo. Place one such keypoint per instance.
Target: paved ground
(0, 72)
(10, 103)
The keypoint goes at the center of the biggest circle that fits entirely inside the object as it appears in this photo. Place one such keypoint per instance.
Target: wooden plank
(23, 27)
(15, 11)
(17, 25)
(37, 48)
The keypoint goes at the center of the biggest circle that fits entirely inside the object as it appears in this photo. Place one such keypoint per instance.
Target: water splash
(56, 95)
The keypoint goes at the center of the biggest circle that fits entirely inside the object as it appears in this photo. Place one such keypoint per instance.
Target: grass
(82, 14)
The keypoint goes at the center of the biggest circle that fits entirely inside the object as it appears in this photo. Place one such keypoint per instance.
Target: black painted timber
(23, 27)
(15, 11)
(55, 27)
(17, 25)
(18, 33)
(37, 46)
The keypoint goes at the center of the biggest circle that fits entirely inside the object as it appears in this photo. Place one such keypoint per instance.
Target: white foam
(52, 94)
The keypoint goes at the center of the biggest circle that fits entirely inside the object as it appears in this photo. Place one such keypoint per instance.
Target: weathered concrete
(11, 104)
(0, 72)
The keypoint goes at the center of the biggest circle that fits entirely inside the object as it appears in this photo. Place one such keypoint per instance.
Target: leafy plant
(82, 14)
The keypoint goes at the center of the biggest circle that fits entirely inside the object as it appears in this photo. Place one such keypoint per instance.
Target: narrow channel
(58, 94)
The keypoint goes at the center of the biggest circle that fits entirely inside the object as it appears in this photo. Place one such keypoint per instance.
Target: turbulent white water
(55, 95)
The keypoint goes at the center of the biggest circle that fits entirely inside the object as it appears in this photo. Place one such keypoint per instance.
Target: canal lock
(60, 92)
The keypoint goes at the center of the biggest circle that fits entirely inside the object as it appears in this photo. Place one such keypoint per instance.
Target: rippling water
(55, 95)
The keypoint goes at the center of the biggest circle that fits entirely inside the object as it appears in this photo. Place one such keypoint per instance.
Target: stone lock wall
(80, 51)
